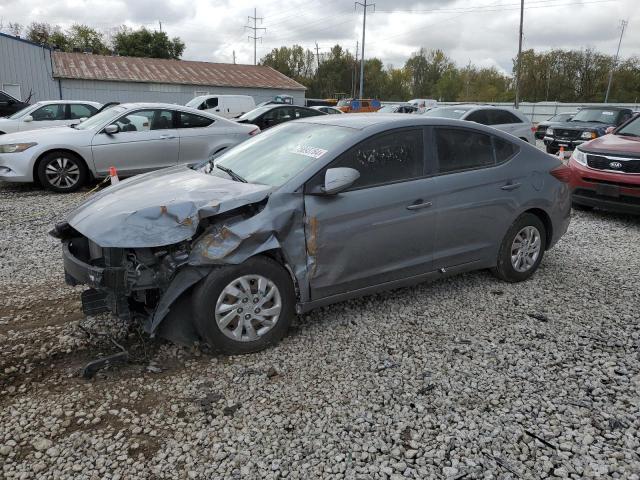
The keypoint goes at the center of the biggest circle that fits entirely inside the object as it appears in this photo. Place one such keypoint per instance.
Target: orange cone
(560, 153)
(113, 173)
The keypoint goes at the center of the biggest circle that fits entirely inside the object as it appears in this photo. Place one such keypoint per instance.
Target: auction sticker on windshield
(307, 151)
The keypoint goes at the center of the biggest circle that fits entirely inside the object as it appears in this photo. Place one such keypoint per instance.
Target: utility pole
(354, 74)
(318, 55)
(517, 102)
(615, 61)
(160, 22)
(234, 57)
(364, 6)
(253, 37)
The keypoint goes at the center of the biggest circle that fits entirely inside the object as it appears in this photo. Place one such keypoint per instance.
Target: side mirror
(82, 119)
(28, 118)
(111, 129)
(337, 180)
(609, 130)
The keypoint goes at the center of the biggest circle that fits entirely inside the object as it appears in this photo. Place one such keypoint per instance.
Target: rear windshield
(596, 116)
(344, 103)
(446, 112)
(255, 113)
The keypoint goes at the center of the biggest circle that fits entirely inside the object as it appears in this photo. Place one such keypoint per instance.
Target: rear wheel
(522, 249)
(244, 308)
(62, 172)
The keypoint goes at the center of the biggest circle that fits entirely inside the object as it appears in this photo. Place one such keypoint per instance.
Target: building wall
(27, 67)
(107, 91)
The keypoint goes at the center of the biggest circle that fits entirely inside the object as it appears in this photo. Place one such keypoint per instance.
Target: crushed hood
(159, 208)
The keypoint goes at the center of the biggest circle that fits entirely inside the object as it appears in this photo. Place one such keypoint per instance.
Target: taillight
(562, 173)
(253, 132)
(533, 129)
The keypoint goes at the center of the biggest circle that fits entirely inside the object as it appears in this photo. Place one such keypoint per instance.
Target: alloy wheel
(525, 249)
(62, 172)
(248, 308)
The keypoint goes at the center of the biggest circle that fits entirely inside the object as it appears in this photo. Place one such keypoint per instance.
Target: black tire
(504, 269)
(73, 168)
(207, 293)
(582, 208)
(552, 150)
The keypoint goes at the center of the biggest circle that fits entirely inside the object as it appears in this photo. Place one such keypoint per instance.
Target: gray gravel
(464, 378)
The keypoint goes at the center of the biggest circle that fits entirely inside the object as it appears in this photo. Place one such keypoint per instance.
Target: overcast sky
(483, 32)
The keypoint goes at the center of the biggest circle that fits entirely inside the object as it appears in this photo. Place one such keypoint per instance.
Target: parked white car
(423, 104)
(227, 106)
(133, 137)
(506, 119)
(50, 113)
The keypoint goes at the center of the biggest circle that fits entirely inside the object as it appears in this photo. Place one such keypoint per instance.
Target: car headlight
(15, 147)
(580, 157)
(549, 131)
(588, 135)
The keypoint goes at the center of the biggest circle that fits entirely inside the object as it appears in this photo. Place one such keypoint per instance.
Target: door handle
(510, 186)
(419, 204)
(167, 137)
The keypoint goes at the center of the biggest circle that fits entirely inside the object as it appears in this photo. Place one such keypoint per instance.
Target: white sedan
(134, 138)
(50, 113)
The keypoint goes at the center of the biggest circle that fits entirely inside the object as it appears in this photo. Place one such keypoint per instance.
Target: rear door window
(502, 117)
(78, 110)
(385, 158)
(460, 149)
(189, 120)
(479, 116)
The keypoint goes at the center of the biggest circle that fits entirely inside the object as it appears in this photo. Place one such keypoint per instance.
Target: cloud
(484, 32)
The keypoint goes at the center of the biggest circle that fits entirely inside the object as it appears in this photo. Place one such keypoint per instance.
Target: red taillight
(533, 129)
(562, 173)
(253, 132)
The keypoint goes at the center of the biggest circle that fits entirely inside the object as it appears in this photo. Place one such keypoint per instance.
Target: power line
(255, 29)
(364, 29)
(615, 61)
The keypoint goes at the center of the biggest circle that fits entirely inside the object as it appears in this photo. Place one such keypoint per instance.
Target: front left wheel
(244, 308)
(62, 172)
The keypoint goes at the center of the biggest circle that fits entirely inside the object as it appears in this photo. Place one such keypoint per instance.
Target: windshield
(195, 102)
(631, 129)
(275, 156)
(596, 116)
(344, 103)
(101, 118)
(561, 117)
(255, 113)
(446, 112)
(24, 111)
(388, 108)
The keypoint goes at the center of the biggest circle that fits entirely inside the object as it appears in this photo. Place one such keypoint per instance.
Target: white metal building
(26, 67)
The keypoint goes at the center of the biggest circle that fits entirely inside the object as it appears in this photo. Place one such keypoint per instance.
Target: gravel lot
(464, 378)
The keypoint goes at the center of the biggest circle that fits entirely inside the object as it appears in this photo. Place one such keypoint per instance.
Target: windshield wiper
(231, 173)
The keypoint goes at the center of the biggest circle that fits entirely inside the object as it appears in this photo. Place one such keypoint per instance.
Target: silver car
(133, 138)
(47, 114)
(309, 213)
(506, 119)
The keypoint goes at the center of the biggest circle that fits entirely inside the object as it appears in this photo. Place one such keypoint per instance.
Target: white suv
(506, 119)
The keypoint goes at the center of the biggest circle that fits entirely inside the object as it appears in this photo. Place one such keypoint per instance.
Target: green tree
(84, 38)
(147, 43)
(294, 62)
(47, 34)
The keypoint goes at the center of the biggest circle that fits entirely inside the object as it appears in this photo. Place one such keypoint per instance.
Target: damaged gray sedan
(310, 213)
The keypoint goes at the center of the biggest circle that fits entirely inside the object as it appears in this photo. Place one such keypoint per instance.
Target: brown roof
(84, 66)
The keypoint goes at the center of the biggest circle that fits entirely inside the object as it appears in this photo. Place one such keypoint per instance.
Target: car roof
(604, 107)
(56, 102)
(361, 121)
